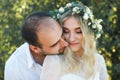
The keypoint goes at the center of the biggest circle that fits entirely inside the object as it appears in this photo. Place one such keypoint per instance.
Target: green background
(13, 12)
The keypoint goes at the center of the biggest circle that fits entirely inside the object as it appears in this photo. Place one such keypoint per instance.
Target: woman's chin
(74, 49)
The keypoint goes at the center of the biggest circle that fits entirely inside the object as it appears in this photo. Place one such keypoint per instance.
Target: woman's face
(73, 34)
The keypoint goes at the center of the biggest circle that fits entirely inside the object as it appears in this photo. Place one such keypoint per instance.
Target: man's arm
(11, 72)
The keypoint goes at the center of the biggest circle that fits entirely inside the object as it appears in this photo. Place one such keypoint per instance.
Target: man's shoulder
(55, 59)
(18, 54)
(52, 57)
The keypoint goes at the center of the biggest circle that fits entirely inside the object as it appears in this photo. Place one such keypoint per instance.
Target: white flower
(85, 16)
(68, 5)
(89, 13)
(54, 17)
(88, 10)
(99, 21)
(61, 10)
(89, 23)
(94, 26)
(91, 16)
(75, 9)
(99, 27)
(98, 35)
(58, 15)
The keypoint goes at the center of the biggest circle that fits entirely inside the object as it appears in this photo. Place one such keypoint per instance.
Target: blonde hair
(71, 63)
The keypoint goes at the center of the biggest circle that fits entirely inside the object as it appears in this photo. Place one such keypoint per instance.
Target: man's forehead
(49, 36)
(48, 24)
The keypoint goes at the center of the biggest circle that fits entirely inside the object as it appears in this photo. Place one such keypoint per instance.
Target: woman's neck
(79, 53)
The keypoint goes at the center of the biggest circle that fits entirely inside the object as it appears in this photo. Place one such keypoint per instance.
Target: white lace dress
(52, 70)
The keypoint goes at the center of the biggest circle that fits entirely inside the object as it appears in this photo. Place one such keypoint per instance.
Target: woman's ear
(35, 49)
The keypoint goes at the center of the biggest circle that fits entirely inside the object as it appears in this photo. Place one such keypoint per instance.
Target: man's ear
(35, 49)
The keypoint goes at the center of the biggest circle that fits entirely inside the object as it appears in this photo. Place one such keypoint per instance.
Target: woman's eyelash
(65, 31)
(79, 32)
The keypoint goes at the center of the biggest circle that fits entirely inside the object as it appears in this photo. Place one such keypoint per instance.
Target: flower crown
(78, 8)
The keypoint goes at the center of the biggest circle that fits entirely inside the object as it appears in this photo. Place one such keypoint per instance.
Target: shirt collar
(30, 59)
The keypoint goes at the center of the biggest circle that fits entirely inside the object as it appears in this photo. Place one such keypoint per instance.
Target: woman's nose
(72, 37)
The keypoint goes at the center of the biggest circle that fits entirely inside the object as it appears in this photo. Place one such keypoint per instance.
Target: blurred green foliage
(13, 12)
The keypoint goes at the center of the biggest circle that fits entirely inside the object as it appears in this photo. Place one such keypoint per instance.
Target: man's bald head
(34, 23)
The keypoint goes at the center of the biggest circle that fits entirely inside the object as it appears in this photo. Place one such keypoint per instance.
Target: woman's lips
(73, 44)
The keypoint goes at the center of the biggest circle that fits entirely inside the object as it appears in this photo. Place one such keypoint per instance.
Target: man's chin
(54, 53)
(51, 53)
(61, 50)
(60, 53)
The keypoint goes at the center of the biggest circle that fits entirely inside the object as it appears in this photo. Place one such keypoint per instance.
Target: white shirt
(52, 67)
(21, 65)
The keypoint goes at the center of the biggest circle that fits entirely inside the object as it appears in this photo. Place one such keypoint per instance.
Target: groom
(43, 37)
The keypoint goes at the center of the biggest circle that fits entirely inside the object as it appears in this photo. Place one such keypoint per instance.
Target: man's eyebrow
(55, 43)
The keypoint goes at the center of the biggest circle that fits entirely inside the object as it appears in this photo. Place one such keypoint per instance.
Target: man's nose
(64, 43)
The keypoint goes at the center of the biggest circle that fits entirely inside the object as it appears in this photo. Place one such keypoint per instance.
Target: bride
(80, 60)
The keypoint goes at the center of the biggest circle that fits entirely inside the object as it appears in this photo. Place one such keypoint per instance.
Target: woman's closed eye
(78, 31)
(65, 31)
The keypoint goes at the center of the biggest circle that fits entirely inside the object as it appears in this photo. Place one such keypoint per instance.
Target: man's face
(50, 39)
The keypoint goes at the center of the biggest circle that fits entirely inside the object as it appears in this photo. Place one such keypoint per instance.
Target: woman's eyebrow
(77, 28)
(64, 27)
